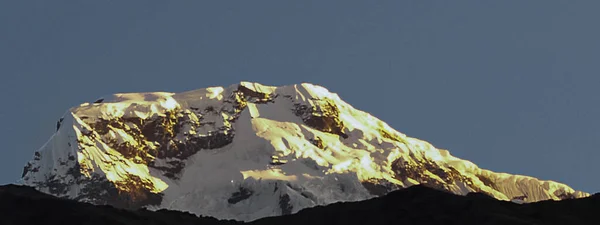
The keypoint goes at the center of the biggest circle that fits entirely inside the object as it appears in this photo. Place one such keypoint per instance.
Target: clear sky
(510, 85)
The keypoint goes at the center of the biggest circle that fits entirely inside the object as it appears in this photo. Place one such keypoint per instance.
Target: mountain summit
(249, 151)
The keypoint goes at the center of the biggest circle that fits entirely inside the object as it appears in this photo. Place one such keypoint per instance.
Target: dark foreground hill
(414, 205)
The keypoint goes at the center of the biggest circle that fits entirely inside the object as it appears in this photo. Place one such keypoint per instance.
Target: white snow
(264, 133)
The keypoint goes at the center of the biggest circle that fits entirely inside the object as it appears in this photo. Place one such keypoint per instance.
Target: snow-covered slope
(248, 151)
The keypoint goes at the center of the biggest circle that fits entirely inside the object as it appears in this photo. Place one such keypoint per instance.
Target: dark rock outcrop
(323, 116)
(284, 205)
(240, 195)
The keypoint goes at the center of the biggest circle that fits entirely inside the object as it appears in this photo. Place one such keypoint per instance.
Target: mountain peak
(248, 151)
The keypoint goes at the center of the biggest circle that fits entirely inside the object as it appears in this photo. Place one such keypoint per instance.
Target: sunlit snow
(272, 153)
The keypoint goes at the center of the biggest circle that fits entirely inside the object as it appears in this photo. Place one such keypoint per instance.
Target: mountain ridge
(249, 151)
(22, 205)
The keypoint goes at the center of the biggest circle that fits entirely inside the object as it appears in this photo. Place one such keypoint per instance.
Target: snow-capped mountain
(249, 151)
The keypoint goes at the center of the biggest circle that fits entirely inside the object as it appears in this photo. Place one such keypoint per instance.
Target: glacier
(249, 151)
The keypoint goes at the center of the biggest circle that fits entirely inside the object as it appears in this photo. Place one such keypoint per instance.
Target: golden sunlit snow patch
(140, 105)
(270, 174)
(287, 138)
(254, 113)
(215, 92)
(258, 87)
(97, 157)
(169, 103)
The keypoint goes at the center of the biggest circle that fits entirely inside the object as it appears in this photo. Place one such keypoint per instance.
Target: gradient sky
(510, 85)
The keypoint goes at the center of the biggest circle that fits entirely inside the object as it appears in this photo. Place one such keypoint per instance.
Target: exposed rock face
(323, 116)
(127, 195)
(249, 151)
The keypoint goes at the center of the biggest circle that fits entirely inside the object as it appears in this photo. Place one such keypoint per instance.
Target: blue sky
(509, 85)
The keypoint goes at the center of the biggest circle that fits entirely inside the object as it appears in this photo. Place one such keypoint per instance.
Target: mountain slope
(249, 151)
(422, 205)
(20, 205)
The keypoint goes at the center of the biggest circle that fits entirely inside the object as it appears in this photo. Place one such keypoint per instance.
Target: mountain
(22, 205)
(249, 151)
(415, 205)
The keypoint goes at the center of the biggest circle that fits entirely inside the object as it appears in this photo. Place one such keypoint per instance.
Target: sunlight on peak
(302, 134)
(169, 103)
(316, 90)
(258, 87)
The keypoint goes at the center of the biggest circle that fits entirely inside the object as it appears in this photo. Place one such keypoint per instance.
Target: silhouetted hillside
(414, 205)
